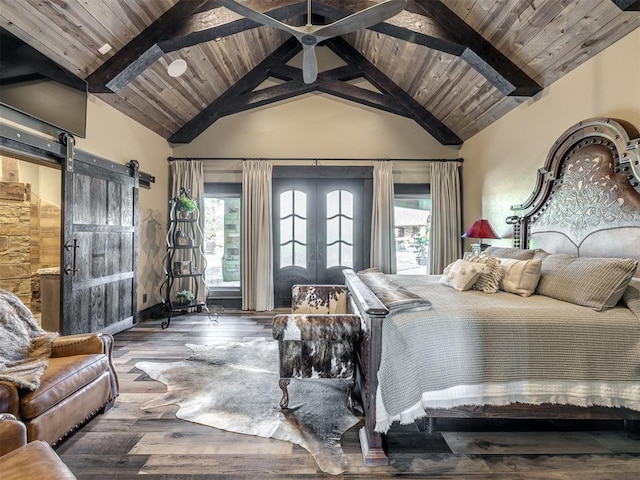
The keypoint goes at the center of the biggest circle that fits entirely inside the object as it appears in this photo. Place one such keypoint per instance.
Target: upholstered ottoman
(318, 339)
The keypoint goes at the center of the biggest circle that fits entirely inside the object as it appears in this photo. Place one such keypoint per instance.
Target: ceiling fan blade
(256, 16)
(309, 64)
(360, 20)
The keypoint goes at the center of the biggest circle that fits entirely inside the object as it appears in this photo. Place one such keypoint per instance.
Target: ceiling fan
(310, 35)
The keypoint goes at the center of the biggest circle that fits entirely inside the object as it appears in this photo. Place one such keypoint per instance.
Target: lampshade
(481, 228)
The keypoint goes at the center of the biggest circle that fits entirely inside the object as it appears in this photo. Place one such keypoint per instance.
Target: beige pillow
(631, 296)
(511, 252)
(520, 276)
(488, 282)
(461, 275)
(594, 282)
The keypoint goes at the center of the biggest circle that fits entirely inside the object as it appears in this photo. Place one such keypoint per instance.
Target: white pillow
(461, 275)
(520, 276)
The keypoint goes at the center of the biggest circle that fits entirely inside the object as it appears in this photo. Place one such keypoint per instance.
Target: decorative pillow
(461, 275)
(520, 276)
(511, 252)
(631, 296)
(594, 282)
(488, 282)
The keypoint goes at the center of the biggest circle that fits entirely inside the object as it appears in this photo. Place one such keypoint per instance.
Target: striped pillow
(488, 282)
(590, 281)
(520, 276)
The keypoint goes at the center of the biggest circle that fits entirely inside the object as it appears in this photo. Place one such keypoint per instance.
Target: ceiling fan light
(177, 68)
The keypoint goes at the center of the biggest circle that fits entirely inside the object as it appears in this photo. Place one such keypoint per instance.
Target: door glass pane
(286, 203)
(286, 255)
(300, 255)
(339, 228)
(346, 204)
(286, 230)
(300, 226)
(346, 255)
(333, 203)
(333, 230)
(412, 227)
(347, 230)
(333, 255)
(300, 201)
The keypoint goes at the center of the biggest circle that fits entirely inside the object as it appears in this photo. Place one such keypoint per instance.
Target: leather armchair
(79, 382)
(20, 460)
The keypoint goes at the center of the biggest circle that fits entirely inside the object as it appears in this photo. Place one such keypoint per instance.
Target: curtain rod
(460, 160)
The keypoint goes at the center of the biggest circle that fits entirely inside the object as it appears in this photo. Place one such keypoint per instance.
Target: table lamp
(480, 229)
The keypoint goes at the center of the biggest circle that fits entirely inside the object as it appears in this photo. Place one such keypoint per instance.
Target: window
(412, 212)
(222, 245)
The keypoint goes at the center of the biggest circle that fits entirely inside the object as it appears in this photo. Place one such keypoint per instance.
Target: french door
(319, 230)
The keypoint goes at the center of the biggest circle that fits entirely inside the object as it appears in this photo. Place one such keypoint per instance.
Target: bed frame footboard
(363, 302)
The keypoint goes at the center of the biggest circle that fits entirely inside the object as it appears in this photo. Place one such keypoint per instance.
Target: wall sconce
(480, 229)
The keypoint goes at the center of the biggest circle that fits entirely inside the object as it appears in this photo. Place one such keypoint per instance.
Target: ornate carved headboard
(587, 196)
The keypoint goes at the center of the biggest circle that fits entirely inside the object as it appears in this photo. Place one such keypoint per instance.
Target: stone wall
(15, 256)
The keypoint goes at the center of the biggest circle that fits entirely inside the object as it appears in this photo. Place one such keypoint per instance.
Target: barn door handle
(71, 270)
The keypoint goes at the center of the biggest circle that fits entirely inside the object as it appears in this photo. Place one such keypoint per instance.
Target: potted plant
(185, 205)
(184, 297)
(420, 247)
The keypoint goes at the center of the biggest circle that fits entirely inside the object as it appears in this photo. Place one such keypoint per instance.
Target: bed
(559, 346)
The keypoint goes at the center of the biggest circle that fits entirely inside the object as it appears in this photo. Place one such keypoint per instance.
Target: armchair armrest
(9, 399)
(12, 432)
(87, 343)
(84, 343)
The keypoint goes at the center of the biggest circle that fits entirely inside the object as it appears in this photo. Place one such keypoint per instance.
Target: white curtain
(445, 244)
(257, 236)
(189, 174)
(383, 241)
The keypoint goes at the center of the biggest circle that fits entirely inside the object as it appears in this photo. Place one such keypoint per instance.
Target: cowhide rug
(234, 386)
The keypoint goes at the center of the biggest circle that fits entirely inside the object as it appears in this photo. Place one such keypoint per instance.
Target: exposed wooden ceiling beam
(142, 51)
(418, 113)
(480, 54)
(456, 39)
(628, 5)
(180, 27)
(220, 22)
(248, 83)
(380, 101)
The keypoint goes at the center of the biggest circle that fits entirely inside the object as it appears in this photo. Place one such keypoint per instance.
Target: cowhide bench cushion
(317, 345)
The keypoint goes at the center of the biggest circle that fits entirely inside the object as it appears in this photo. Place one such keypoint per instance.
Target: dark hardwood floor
(128, 442)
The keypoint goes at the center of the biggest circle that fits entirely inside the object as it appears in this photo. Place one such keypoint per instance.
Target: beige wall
(501, 161)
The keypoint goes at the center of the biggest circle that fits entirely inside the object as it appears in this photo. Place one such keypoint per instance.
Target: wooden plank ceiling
(453, 66)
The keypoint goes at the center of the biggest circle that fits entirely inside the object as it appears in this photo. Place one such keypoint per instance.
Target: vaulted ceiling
(453, 66)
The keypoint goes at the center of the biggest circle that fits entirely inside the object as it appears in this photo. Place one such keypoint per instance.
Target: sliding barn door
(100, 219)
